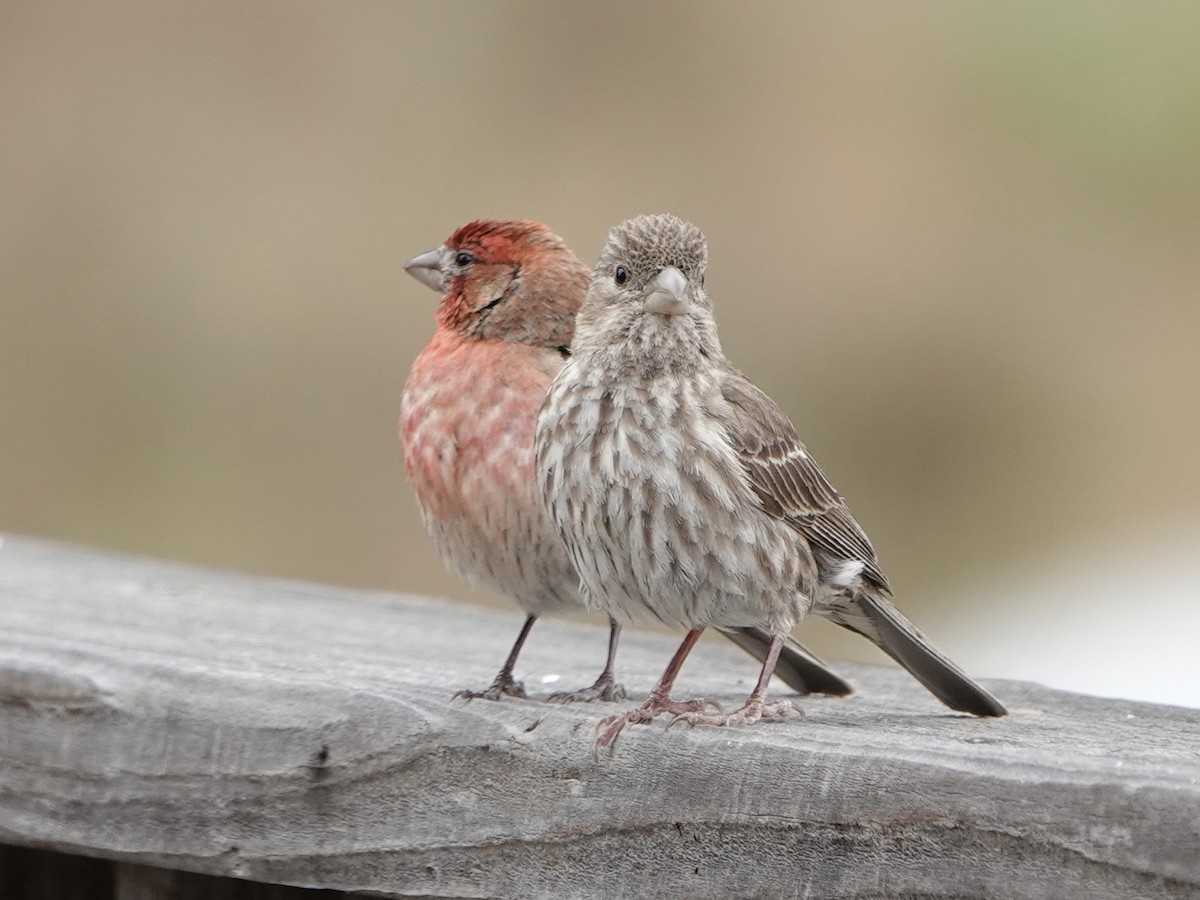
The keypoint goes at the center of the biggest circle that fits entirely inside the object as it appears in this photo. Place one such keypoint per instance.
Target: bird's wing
(788, 482)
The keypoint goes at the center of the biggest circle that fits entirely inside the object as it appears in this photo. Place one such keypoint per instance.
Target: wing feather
(788, 482)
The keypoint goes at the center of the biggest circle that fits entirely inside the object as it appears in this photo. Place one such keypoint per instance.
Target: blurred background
(958, 242)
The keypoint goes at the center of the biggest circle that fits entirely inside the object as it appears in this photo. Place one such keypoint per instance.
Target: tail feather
(878, 620)
(798, 668)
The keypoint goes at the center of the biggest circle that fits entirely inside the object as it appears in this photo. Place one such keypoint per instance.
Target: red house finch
(510, 293)
(685, 494)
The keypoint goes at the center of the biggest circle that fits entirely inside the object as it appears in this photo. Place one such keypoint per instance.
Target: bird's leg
(756, 706)
(504, 683)
(659, 701)
(606, 687)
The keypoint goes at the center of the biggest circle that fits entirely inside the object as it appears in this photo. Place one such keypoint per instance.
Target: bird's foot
(609, 728)
(504, 685)
(747, 715)
(605, 689)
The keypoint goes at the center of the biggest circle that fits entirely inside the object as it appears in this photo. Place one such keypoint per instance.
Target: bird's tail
(878, 620)
(800, 670)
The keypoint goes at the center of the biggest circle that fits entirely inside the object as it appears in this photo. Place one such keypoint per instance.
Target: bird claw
(604, 689)
(747, 715)
(609, 728)
(504, 685)
(694, 705)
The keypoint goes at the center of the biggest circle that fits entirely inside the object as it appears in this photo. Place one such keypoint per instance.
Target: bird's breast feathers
(651, 501)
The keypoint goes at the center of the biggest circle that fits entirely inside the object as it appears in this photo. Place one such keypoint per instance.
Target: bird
(685, 495)
(510, 290)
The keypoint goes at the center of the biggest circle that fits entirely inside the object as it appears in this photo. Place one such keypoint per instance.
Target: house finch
(684, 493)
(510, 293)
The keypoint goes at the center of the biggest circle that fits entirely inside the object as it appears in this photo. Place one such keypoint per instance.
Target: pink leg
(755, 707)
(610, 727)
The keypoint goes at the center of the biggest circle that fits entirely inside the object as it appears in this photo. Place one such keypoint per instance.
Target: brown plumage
(510, 292)
(684, 493)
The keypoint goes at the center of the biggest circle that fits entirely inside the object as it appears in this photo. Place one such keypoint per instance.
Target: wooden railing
(158, 721)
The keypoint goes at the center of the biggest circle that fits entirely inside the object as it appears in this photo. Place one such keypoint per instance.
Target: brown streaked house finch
(684, 493)
(510, 291)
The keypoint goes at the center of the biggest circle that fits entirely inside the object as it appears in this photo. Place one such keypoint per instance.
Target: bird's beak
(667, 293)
(427, 269)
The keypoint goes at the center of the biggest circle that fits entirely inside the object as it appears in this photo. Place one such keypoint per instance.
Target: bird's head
(648, 287)
(511, 281)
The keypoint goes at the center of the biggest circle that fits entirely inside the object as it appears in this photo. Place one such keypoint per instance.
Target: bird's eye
(621, 275)
(462, 259)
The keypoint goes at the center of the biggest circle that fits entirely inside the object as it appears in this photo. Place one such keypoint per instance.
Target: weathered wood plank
(300, 734)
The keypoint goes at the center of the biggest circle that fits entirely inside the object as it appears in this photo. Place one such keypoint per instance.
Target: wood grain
(301, 734)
